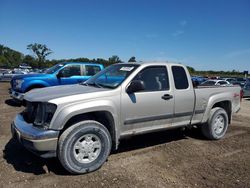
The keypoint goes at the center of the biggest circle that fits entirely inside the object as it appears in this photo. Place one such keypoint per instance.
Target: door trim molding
(160, 117)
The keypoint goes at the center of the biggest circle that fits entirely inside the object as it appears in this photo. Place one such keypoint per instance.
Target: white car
(216, 83)
(8, 75)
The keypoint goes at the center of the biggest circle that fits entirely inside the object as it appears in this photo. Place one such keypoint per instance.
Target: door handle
(167, 97)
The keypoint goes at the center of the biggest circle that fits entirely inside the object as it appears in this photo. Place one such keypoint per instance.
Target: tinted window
(222, 82)
(208, 83)
(154, 78)
(247, 86)
(180, 77)
(240, 79)
(71, 70)
(91, 70)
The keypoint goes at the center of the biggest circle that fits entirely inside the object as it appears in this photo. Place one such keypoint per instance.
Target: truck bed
(205, 94)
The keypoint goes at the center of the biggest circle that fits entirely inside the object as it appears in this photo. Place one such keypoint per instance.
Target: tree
(132, 59)
(191, 69)
(41, 51)
(29, 60)
(10, 58)
(114, 59)
(4, 62)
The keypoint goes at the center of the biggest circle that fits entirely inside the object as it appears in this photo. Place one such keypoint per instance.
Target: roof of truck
(154, 63)
(78, 62)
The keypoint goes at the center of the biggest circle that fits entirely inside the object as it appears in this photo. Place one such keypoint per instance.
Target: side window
(222, 82)
(155, 78)
(71, 70)
(91, 70)
(180, 77)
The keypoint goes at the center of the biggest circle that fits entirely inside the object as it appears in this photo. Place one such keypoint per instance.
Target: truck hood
(23, 76)
(50, 93)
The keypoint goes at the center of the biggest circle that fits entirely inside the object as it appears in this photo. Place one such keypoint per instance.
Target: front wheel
(217, 124)
(84, 147)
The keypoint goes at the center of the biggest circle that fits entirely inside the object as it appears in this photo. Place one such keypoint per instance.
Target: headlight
(44, 114)
(19, 83)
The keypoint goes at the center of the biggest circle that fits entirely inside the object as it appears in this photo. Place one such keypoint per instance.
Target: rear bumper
(39, 141)
(16, 95)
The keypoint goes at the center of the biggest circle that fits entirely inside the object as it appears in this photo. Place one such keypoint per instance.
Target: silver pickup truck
(81, 123)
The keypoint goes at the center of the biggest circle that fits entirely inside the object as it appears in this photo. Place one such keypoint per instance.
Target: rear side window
(91, 70)
(180, 77)
(155, 78)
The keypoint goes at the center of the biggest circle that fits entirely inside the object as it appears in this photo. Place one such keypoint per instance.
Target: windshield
(112, 76)
(53, 69)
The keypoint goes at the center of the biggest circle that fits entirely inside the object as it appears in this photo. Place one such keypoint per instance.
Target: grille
(12, 83)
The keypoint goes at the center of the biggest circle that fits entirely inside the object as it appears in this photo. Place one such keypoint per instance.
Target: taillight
(241, 94)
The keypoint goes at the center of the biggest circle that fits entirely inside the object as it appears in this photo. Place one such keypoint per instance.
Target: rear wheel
(84, 147)
(217, 124)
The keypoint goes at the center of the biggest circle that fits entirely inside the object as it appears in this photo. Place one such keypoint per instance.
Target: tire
(217, 124)
(84, 147)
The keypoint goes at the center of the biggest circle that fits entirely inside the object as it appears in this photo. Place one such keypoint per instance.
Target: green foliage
(132, 59)
(29, 60)
(191, 69)
(12, 59)
(41, 51)
(114, 59)
(9, 58)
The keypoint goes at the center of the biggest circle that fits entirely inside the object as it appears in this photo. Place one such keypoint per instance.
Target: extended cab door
(183, 96)
(70, 74)
(151, 108)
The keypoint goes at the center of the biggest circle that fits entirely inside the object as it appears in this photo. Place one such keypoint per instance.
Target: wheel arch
(225, 104)
(104, 117)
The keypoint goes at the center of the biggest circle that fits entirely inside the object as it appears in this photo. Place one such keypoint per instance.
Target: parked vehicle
(60, 74)
(8, 75)
(198, 79)
(215, 83)
(81, 123)
(240, 81)
(230, 80)
(246, 90)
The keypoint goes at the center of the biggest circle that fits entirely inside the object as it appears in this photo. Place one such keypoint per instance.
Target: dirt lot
(167, 159)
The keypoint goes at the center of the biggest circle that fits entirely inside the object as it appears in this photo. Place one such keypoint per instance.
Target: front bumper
(16, 95)
(39, 141)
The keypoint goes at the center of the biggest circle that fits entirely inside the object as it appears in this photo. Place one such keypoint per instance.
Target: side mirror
(134, 86)
(59, 74)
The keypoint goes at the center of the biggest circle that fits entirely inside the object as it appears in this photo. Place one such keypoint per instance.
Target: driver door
(71, 74)
(151, 108)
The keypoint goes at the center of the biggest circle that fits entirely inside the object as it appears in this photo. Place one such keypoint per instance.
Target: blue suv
(60, 74)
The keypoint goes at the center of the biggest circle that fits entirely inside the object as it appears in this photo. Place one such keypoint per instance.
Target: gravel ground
(168, 159)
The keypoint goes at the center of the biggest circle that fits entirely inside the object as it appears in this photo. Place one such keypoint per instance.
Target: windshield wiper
(94, 84)
(106, 86)
(83, 83)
